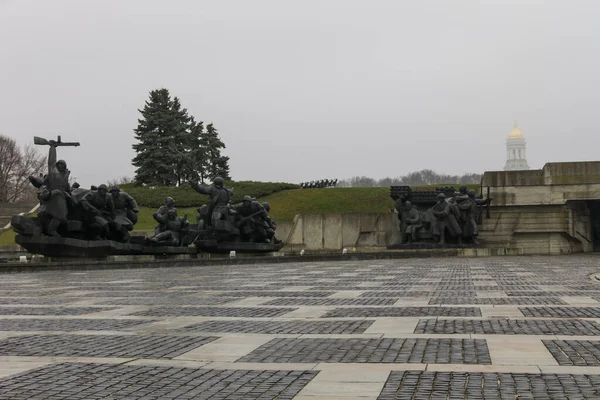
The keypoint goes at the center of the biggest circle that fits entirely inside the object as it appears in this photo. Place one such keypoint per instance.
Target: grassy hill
(285, 201)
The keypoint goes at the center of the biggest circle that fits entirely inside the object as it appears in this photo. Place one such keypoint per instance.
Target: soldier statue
(125, 213)
(413, 222)
(271, 224)
(219, 199)
(252, 220)
(440, 212)
(53, 189)
(175, 228)
(98, 211)
(162, 210)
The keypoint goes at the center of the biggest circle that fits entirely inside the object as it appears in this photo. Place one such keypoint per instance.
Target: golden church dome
(516, 133)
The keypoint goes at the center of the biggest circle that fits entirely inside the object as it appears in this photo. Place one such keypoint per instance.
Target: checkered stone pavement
(506, 328)
(72, 381)
(63, 324)
(405, 312)
(575, 352)
(101, 345)
(447, 351)
(282, 327)
(51, 310)
(459, 385)
(509, 327)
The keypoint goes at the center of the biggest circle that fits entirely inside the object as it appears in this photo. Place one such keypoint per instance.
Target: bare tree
(122, 180)
(416, 178)
(16, 166)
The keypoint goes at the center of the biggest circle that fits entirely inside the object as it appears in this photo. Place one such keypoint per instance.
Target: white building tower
(516, 151)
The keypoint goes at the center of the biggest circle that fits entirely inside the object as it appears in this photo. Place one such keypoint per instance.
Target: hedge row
(185, 196)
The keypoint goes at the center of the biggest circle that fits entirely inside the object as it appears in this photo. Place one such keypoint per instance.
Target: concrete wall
(333, 232)
(542, 211)
(538, 229)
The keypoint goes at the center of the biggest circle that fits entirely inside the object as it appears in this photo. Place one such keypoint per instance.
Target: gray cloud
(312, 89)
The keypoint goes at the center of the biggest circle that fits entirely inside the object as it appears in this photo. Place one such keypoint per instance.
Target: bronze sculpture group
(453, 218)
(109, 214)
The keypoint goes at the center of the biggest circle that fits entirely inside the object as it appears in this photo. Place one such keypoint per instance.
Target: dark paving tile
(281, 327)
(37, 300)
(508, 327)
(372, 292)
(405, 312)
(73, 381)
(275, 293)
(52, 310)
(68, 324)
(575, 352)
(125, 346)
(561, 312)
(497, 300)
(332, 302)
(402, 385)
(453, 351)
(255, 312)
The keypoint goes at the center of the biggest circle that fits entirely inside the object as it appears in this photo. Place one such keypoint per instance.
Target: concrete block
(332, 231)
(313, 231)
(296, 236)
(350, 229)
(368, 222)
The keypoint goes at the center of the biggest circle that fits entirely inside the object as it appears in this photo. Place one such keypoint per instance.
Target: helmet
(471, 193)
(441, 196)
(218, 181)
(267, 206)
(114, 188)
(246, 198)
(169, 200)
(462, 189)
(103, 186)
(63, 162)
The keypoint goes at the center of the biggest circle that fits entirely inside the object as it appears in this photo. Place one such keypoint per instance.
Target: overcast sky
(309, 89)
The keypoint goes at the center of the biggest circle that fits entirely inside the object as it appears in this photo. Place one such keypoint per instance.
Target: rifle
(487, 207)
(58, 142)
(244, 219)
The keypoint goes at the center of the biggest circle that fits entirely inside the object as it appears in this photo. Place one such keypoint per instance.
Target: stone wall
(334, 232)
(542, 211)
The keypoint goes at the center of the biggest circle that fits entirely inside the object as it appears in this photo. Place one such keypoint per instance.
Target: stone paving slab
(460, 385)
(171, 301)
(454, 351)
(255, 312)
(509, 327)
(101, 345)
(71, 381)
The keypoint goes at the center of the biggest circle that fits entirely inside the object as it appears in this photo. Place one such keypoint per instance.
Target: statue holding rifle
(53, 188)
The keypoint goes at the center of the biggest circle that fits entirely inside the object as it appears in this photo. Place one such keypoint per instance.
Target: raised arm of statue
(200, 189)
(51, 156)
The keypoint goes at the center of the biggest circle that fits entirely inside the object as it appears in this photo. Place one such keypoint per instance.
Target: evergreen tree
(215, 163)
(198, 152)
(163, 152)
